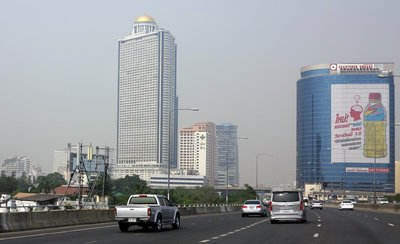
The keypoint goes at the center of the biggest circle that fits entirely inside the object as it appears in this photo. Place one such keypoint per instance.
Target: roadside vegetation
(119, 190)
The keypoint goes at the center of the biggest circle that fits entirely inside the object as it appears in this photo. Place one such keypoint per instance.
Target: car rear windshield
(252, 202)
(143, 200)
(316, 201)
(285, 197)
(347, 201)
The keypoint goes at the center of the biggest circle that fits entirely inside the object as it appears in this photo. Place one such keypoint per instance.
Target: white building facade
(16, 167)
(197, 150)
(147, 102)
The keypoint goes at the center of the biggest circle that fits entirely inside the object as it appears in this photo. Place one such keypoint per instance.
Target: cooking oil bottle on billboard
(375, 128)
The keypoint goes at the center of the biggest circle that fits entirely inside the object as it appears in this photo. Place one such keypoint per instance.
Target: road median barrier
(16, 221)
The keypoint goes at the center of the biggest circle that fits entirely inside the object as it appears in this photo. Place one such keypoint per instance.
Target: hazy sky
(238, 61)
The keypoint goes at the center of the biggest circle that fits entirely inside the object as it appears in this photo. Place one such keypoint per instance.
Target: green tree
(24, 184)
(199, 195)
(8, 184)
(130, 185)
(98, 189)
(49, 182)
(240, 197)
(124, 187)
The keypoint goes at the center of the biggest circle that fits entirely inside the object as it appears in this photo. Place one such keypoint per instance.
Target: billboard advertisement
(359, 128)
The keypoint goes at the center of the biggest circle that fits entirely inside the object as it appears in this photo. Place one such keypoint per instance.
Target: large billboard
(359, 120)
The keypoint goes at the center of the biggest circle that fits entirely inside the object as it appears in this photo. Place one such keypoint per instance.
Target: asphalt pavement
(329, 225)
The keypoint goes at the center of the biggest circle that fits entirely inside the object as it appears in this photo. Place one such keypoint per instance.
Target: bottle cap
(375, 96)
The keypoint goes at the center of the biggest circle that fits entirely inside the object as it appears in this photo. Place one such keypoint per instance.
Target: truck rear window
(143, 200)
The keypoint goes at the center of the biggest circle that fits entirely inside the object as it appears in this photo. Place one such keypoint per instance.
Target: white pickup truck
(147, 210)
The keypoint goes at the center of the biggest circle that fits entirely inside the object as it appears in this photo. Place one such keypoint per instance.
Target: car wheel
(273, 221)
(177, 222)
(123, 227)
(303, 221)
(243, 215)
(158, 225)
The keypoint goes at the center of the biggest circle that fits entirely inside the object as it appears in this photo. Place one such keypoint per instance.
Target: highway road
(324, 226)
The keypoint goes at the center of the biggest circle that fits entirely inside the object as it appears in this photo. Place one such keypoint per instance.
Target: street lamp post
(169, 140)
(258, 155)
(227, 167)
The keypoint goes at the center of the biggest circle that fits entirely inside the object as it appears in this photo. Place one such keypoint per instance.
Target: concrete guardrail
(15, 221)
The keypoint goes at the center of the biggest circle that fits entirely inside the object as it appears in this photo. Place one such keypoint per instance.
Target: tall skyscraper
(345, 127)
(147, 102)
(197, 150)
(227, 155)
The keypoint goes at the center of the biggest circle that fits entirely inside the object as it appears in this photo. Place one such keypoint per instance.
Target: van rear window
(285, 197)
(143, 200)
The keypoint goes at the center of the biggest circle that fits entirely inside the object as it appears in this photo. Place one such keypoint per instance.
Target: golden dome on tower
(145, 18)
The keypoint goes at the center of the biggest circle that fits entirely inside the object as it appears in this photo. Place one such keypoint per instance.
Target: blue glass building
(227, 160)
(338, 142)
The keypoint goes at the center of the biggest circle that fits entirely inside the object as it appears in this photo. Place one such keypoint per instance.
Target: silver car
(287, 206)
(255, 207)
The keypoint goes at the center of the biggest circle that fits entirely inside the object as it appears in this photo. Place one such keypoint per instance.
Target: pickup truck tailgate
(131, 211)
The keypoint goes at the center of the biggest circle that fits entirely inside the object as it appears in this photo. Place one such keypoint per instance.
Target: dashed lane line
(232, 232)
(316, 235)
(319, 225)
(390, 224)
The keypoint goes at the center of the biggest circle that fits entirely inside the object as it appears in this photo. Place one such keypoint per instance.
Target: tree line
(120, 189)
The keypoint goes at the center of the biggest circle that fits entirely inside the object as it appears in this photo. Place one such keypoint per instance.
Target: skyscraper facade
(345, 127)
(227, 162)
(147, 102)
(197, 150)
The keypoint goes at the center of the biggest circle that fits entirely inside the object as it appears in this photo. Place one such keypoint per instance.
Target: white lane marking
(316, 235)
(319, 225)
(55, 233)
(319, 220)
(232, 232)
(390, 224)
(89, 242)
(376, 219)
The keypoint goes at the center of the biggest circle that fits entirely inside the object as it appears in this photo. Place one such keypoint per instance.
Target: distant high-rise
(227, 153)
(147, 102)
(197, 150)
(16, 167)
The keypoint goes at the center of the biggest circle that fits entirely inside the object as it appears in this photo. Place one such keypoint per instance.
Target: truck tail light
(258, 206)
(270, 206)
(149, 212)
(301, 205)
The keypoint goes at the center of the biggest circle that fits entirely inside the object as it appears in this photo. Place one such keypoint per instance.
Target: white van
(287, 206)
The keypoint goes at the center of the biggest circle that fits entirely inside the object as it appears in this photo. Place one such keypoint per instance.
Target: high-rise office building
(147, 102)
(227, 162)
(197, 150)
(345, 127)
